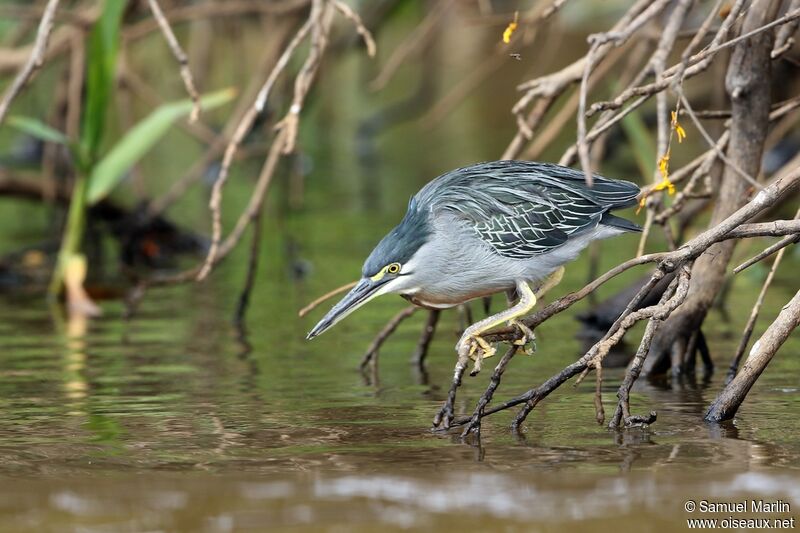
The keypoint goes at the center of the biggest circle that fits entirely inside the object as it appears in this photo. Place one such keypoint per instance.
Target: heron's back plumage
(522, 208)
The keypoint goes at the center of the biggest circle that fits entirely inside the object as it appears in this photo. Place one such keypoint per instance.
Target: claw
(476, 367)
(488, 349)
(477, 349)
(528, 337)
(473, 347)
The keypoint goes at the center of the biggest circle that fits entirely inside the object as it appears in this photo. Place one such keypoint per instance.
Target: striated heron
(488, 228)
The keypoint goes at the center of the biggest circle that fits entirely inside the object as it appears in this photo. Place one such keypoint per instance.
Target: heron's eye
(394, 268)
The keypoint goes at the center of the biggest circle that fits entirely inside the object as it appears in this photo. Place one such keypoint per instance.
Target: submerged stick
(418, 358)
(372, 352)
(732, 396)
(474, 425)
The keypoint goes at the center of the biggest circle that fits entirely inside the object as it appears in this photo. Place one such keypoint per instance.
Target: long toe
(487, 349)
(476, 367)
(528, 337)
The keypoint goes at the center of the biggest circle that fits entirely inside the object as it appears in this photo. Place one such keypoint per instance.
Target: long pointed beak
(364, 291)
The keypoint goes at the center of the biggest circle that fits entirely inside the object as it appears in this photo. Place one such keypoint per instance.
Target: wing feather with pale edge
(523, 208)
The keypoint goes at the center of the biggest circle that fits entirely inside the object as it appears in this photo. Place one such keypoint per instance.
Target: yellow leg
(528, 336)
(550, 281)
(471, 339)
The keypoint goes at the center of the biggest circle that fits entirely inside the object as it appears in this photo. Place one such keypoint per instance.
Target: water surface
(173, 421)
(176, 420)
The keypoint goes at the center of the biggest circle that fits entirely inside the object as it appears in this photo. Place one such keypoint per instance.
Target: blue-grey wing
(537, 228)
(524, 208)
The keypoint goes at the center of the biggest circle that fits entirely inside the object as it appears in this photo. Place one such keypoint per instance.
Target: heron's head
(390, 268)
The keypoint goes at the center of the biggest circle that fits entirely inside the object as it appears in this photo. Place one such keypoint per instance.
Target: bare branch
(246, 123)
(474, 425)
(35, 60)
(385, 333)
(228, 8)
(714, 144)
(417, 38)
(672, 298)
(732, 396)
(180, 57)
(418, 357)
(751, 321)
(699, 62)
(362, 30)
(776, 228)
(780, 245)
(280, 65)
(784, 40)
(330, 294)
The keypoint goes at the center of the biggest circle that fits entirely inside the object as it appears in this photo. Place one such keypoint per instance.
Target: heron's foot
(528, 337)
(475, 348)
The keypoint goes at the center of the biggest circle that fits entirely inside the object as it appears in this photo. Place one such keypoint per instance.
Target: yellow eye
(394, 268)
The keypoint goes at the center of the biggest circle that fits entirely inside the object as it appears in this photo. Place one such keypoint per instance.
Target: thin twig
(215, 203)
(418, 37)
(714, 144)
(372, 351)
(131, 80)
(680, 71)
(664, 131)
(228, 8)
(784, 40)
(699, 62)
(672, 297)
(474, 425)
(304, 78)
(280, 65)
(252, 270)
(545, 89)
(35, 60)
(751, 321)
(780, 245)
(330, 294)
(180, 57)
(362, 30)
(598, 40)
(418, 357)
(583, 146)
(599, 412)
(217, 147)
(245, 219)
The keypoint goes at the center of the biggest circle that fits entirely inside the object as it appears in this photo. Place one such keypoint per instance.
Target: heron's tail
(618, 222)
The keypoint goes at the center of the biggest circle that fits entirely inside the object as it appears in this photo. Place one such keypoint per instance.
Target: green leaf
(110, 170)
(37, 128)
(100, 70)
